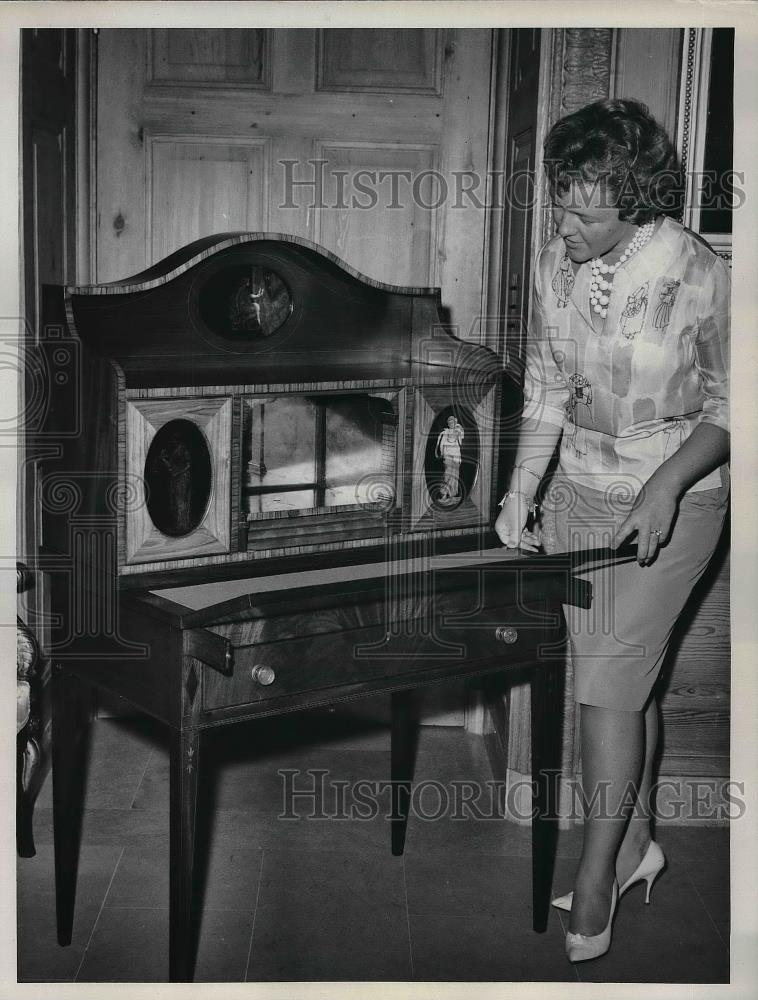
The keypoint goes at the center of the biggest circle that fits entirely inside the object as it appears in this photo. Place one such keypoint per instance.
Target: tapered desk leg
(546, 726)
(24, 801)
(402, 753)
(71, 700)
(185, 760)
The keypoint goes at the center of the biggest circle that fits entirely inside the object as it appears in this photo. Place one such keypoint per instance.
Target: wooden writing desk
(272, 483)
(239, 649)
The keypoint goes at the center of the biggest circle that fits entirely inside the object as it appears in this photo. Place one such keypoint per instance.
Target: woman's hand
(651, 517)
(531, 541)
(510, 525)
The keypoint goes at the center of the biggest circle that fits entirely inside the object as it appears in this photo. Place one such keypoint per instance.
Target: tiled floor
(322, 898)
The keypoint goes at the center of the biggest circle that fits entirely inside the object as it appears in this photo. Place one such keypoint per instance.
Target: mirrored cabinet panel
(318, 451)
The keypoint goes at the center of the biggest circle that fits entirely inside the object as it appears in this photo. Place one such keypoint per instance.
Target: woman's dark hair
(620, 144)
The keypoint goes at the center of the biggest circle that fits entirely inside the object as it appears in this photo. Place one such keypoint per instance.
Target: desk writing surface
(204, 595)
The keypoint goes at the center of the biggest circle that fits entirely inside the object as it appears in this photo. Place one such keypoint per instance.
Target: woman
(627, 364)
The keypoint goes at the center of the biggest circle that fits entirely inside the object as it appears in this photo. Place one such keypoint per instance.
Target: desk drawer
(267, 670)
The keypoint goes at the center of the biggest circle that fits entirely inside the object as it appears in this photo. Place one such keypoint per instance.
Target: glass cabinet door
(318, 451)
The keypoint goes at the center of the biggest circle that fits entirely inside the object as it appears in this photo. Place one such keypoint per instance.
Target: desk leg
(402, 753)
(185, 760)
(70, 702)
(546, 726)
(27, 748)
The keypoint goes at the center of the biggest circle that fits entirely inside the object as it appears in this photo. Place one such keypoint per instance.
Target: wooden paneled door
(372, 143)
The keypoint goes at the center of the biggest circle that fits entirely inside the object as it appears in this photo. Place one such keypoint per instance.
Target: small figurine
(177, 460)
(448, 448)
(245, 313)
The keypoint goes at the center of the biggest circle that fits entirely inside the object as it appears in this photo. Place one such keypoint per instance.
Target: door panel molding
(240, 57)
(339, 66)
(407, 237)
(213, 196)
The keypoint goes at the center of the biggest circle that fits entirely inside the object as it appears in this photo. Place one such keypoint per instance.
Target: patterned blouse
(629, 389)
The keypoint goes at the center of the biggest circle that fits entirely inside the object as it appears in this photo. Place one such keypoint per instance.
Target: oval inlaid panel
(178, 478)
(245, 302)
(451, 461)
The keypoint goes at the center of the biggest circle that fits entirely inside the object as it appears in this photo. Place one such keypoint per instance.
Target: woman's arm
(536, 446)
(545, 396)
(707, 447)
(704, 450)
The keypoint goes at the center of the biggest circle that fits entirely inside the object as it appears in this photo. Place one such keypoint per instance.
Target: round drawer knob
(263, 675)
(509, 635)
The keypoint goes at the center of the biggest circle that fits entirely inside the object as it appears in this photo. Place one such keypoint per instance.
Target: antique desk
(273, 490)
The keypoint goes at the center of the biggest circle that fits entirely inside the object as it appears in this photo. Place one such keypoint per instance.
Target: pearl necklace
(600, 287)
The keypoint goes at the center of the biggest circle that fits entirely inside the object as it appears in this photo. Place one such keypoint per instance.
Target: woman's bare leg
(638, 833)
(612, 743)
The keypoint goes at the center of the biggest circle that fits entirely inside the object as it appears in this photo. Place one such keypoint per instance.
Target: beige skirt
(619, 644)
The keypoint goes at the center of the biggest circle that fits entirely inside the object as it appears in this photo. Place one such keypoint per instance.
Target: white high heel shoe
(648, 869)
(582, 947)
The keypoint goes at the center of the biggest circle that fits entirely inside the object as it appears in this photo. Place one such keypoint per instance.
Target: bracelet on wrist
(531, 502)
(523, 468)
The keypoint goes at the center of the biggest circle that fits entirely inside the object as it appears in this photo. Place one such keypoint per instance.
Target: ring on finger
(655, 531)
